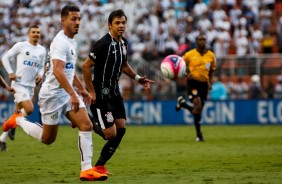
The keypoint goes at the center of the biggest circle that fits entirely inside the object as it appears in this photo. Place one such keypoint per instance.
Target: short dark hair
(69, 8)
(33, 26)
(201, 34)
(116, 13)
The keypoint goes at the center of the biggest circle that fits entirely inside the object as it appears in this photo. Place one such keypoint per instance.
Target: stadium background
(244, 34)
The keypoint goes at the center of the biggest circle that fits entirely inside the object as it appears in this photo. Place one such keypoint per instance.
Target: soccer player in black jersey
(108, 56)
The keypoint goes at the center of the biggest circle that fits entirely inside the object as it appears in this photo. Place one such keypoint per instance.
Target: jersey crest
(110, 117)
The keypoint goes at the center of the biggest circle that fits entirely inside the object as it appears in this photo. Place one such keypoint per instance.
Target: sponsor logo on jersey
(110, 117)
(31, 63)
(69, 66)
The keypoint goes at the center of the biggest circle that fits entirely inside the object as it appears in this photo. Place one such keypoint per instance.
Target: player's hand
(13, 76)
(86, 97)
(144, 81)
(38, 79)
(93, 97)
(74, 102)
(11, 89)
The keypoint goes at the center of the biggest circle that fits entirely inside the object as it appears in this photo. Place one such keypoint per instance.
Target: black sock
(197, 119)
(110, 147)
(186, 106)
(96, 128)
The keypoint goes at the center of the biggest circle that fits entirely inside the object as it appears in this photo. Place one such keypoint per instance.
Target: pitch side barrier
(224, 112)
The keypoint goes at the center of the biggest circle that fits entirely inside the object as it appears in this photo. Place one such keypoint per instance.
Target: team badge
(106, 91)
(110, 117)
(55, 116)
(208, 65)
(71, 52)
(27, 53)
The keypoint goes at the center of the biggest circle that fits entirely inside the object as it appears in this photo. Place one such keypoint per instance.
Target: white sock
(85, 148)
(23, 112)
(3, 137)
(32, 129)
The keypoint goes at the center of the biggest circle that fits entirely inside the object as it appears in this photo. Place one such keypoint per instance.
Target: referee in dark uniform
(108, 56)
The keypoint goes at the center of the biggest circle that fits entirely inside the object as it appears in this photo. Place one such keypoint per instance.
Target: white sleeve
(59, 50)
(41, 69)
(11, 53)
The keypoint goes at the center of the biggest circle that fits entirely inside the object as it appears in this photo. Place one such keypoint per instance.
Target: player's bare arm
(38, 79)
(86, 96)
(62, 79)
(5, 85)
(87, 76)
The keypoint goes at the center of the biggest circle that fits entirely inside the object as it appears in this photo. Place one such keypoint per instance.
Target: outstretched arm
(144, 81)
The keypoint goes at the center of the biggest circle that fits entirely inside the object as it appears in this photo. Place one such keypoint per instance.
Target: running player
(30, 58)
(57, 96)
(108, 56)
(201, 63)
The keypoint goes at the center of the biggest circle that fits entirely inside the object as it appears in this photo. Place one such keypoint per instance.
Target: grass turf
(154, 155)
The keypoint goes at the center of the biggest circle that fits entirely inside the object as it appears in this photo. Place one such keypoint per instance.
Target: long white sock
(85, 148)
(3, 137)
(32, 129)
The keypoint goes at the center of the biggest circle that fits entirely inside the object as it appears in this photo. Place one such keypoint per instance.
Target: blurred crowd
(156, 28)
(240, 88)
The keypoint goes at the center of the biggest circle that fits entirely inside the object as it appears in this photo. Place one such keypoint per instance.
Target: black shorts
(197, 88)
(106, 111)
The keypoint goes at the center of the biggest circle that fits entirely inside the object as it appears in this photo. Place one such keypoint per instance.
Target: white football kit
(30, 61)
(53, 99)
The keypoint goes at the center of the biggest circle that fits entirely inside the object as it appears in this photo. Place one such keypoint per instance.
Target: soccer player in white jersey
(30, 58)
(57, 96)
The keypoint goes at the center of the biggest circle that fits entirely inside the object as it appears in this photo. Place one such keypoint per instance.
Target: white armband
(137, 77)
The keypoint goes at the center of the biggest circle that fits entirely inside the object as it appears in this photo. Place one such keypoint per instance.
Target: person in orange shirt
(201, 63)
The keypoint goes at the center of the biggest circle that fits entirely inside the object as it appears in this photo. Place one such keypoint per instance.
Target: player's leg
(119, 116)
(92, 113)
(81, 120)
(24, 104)
(26, 107)
(197, 113)
(3, 139)
(199, 101)
(17, 119)
(46, 134)
(111, 145)
(181, 103)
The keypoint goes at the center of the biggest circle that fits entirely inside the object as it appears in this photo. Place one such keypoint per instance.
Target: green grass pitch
(154, 155)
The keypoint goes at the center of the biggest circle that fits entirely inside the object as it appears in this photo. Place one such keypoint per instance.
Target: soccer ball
(173, 67)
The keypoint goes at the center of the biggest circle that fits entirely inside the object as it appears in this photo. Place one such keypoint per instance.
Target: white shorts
(23, 93)
(54, 117)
